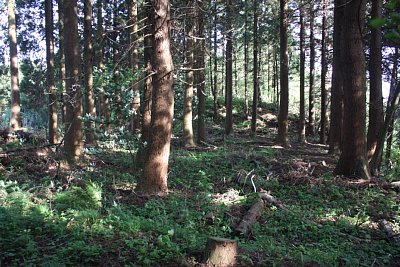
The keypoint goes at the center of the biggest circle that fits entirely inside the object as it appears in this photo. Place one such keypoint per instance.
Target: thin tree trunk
(353, 159)
(302, 125)
(134, 53)
(88, 73)
(115, 58)
(282, 137)
(322, 134)
(188, 135)
(154, 179)
(15, 119)
(73, 143)
(200, 75)
(311, 99)
(255, 69)
(246, 65)
(228, 86)
(50, 72)
(215, 90)
(336, 114)
(375, 70)
(62, 60)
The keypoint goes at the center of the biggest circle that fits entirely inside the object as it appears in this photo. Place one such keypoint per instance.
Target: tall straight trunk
(200, 75)
(282, 137)
(62, 60)
(188, 135)
(375, 70)
(88, 72)
(228, 53)
(255, 69)
(393, 82)
(322, 133)
(154, 178)
(73, 143)
(51, 83)
(134, 60)
(336, 114)
(302, 125)
(235, 59)
(353, 159)
(115, 58)
(246, 64)
(15, 119)
(215, 88)
(311, 98)
(148, 86)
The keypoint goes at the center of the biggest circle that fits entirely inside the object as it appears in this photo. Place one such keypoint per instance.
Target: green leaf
(377, 23)
(393, 36)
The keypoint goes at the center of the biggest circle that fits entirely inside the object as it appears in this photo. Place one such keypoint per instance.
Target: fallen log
(385, 225)
(250, 217)
(220, 252)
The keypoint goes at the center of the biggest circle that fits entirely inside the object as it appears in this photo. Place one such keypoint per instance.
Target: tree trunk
(311, 99)
(302, 125)
(375, 69)
(215, 88)
(15, 119)
(336, 115)
(73, 127)
(134, 46)
(353, 159)
(246, 65)
(282, 137)
(116, 74)
(88, 71)
(188, 135)
(228, 53)
(154, 178)
(50, 72)
(200, 75)
(220, 252)
(322, 133)
(255, 70)
(62, 60)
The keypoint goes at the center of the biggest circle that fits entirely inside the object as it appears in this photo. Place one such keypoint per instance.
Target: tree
(246, 63)
(311, 99)
(322, 133)
(62, 60)
(188, 135)
(134, 46)
(375, 69)
(15, 119)
(154, 178)
(200, 74)
(302, 125)
(50, 72)
(88, 71)
(255, 69)
(73, 143)
(336, 114)
(228, 69)
(353, 159)
(282, 137)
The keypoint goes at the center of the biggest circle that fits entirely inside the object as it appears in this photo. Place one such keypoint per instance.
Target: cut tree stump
(220, 252)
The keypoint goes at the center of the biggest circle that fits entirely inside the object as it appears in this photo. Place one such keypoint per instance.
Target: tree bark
(15, 119)
(322, 133)
(62, 60)
(228, 55)
(200, 75)
(220, 252)
(188, 135)
(375, 69)
(255, 70)
(73, 144)
(88, 73)
(51, 84)
(154, 178)
(302, 125)
(353, 159)
(311, 98)
(215, 88)
(282, 137)
(134, 60)
(336, 115)
(246, 65)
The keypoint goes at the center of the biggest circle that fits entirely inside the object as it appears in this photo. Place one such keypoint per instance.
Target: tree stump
(220, 252)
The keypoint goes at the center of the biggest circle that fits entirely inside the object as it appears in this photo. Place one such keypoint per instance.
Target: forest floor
(52, 214)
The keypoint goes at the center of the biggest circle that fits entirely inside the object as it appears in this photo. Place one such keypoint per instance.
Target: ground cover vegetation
(199, 133)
